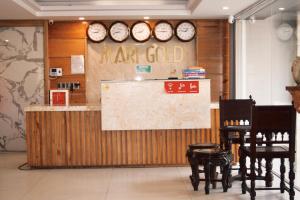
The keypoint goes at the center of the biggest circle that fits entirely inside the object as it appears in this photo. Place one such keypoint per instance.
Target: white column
(240, 67)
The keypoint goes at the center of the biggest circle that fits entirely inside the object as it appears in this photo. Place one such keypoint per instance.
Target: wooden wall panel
(67, 30)
(214, 54)
(226, 59)
(65, 39)
(66, 139)
(64, 63)
(61, 48)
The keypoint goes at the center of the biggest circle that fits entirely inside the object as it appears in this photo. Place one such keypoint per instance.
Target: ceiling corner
(193, 4)
(29, 5)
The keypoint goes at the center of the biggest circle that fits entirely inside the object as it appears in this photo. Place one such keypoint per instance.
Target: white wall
(263, 64)
(266, 60)
(298, 34)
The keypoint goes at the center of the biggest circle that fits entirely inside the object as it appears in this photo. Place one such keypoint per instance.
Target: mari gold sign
(132, 54)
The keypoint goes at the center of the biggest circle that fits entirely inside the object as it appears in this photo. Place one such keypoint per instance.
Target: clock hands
(140, 31)
(184, 30)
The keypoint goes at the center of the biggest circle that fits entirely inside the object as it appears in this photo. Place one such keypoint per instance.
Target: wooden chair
(235, 120)
(275, 125)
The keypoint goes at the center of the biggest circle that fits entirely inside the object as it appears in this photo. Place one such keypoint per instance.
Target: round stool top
(203, 146)
(210, 152)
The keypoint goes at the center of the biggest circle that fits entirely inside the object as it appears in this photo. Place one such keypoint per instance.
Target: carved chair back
(236, 112)
(273, 125)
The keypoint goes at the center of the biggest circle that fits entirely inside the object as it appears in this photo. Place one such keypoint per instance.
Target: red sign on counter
(59, 97)
(178, 87)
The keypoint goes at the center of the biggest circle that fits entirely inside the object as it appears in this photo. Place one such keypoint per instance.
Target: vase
(296, 70)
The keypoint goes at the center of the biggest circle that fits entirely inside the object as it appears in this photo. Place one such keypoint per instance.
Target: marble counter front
(79, 107)
(148, 105)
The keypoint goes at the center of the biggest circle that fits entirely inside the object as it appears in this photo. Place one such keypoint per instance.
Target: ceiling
(120, 9)
(292, 6)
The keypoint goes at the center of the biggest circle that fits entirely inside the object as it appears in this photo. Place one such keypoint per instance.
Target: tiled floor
(108, 184)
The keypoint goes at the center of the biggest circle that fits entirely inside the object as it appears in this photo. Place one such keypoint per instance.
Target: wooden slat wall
(213, 52)
(65, 139)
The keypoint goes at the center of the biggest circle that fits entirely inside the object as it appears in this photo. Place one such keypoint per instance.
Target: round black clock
(119, 31)
(96, 32)
(141, 31)
(185, 31)
(163, 31)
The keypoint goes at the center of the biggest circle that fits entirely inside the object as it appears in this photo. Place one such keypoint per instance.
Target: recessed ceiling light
(81, 18)
(281, 9)
(6, 41)
(225, 8)
(146, 17)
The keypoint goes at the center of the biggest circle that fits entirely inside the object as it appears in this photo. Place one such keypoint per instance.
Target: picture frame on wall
(77, 64)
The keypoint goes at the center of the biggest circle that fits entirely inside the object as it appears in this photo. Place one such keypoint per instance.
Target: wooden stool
(195, 165)
(211, 158)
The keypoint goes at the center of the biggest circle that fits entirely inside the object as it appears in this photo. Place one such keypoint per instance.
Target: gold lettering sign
(105, 55)
(150, 54)
(178, 54)
(120, 57)
(133, 54)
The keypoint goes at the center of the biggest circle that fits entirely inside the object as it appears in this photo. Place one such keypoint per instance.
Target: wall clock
(96, 32)
(163, 31)
(141, 31)
(119, 31)
(185, 31)
(285, 32)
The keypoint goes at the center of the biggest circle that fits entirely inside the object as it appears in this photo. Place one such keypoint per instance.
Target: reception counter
(71, 136)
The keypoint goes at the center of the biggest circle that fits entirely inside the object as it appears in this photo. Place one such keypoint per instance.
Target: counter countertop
(153, 80)
(78, 107)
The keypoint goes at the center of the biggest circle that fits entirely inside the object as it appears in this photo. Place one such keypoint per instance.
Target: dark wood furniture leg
(207, 176)
(282, 172)
(213, 176)
(292, 178)
(225, 177)
(244, 171)
(252, 178)
(269, 176)
(259, 170)
(195, 179)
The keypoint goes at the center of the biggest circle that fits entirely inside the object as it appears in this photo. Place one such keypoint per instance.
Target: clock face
(141, 31)
(96, 32)
(185, 31)
(119, 31)
(285, 32)
(163, 31)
